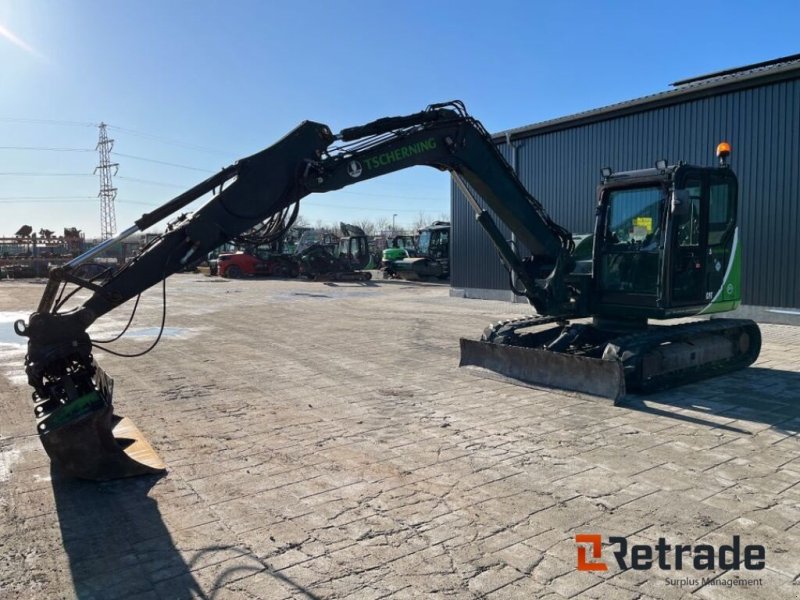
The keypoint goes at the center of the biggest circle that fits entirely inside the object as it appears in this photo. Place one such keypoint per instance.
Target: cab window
(630, 259)
(721, 202)
(424, 241)
(634, 215)
(688, 222)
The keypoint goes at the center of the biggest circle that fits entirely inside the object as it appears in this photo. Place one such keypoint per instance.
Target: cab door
(628, 249)
(703, 232)
(722, 195)
(359, 252)
(689, 247)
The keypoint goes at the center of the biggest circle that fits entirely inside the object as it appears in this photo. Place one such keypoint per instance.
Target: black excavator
(347, 260)
(665, 245)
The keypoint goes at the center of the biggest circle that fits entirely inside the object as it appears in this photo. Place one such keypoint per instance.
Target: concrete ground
(322, 443)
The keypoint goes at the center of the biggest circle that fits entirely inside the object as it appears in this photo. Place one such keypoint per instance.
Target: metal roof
(719, 82)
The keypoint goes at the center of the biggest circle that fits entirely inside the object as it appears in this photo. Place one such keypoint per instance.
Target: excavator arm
(447, 138)
(73, 395)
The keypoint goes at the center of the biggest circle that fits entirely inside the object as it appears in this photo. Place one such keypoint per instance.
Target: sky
(199, 84)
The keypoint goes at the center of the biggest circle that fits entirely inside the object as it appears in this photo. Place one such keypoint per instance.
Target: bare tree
(320, 225)
(422, 220)
(383, 224)
(367, 225)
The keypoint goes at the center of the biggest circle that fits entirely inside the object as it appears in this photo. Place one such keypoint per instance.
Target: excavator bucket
(85, 439)
(592, 376)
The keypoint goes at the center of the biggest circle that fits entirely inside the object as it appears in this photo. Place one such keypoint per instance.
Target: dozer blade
(596, 377)
(85, 439)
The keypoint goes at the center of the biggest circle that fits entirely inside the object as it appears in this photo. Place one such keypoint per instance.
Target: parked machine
(430, 258)
(354, 247)
(314, 237)
(665, 245)
(258, 261)
(346, 261)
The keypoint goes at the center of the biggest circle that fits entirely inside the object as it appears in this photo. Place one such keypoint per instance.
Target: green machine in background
(428, 258)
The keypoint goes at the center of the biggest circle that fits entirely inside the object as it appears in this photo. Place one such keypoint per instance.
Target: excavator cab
(355, 251)
(666, 243)
(353, 248)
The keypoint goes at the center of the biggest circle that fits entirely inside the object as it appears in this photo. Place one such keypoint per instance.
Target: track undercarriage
(607, 362)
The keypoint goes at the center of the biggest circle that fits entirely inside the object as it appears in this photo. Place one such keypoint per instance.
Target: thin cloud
(20, 43)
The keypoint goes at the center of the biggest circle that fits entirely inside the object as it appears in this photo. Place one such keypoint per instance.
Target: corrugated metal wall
(562, 169)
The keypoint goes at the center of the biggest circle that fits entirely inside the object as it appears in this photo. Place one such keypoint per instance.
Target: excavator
(347, 260)
(665, 245)
(431, 258)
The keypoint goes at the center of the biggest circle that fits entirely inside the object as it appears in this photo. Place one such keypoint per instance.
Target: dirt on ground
(321, 442)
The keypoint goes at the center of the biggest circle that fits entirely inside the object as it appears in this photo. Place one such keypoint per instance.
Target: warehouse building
(756, 108)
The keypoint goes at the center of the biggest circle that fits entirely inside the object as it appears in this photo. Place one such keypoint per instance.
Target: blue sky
(201, 84)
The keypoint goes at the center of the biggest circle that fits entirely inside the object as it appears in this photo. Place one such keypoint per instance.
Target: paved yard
(322, 443)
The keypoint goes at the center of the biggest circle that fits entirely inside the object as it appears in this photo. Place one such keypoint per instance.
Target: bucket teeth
(101, 446)
(593, 376)
(136, 446)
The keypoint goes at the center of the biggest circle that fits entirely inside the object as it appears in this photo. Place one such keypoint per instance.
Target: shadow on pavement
(119, 546)
(757, 394)
(248, 565)
(101, 526)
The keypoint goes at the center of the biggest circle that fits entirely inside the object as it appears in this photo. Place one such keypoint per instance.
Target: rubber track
(633, 347)
(502, 331)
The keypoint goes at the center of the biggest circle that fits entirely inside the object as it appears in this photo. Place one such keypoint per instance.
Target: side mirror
(680, 202)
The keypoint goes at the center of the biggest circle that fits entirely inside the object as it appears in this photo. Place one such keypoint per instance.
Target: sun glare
(19, 42)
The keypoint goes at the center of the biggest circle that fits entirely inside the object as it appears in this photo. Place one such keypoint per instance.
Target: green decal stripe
(73, 410)
(725, 300)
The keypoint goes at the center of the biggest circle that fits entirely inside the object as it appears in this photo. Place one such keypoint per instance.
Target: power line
(45, 199)
(163, 162)
(46, 149)
(338, 206)
(34, 174)
(48, 122)
(151, 182)
(56, 199)
(127, 130)
(390, 196)
(142, 202)
(170, 141)
(60, 199)
(366, 194)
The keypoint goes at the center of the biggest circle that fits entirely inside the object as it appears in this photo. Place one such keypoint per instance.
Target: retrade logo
(667, 557)
(596, 544)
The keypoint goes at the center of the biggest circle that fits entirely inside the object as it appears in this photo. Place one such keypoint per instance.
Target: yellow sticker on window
(645, 223)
